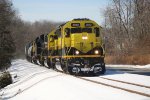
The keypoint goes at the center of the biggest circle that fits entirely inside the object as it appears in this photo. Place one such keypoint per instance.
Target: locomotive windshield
(80, 30)
(88, 30)
(76, 30)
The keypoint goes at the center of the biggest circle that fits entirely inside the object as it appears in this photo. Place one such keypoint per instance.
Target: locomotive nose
(84, 36)
(84, 42)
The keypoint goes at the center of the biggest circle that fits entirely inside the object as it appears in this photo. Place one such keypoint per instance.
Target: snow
(34, 82)
(132, 78)
(126, 86)
(131, 66)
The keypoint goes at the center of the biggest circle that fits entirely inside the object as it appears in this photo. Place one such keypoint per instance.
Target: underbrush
(5, 79)
(129, 59)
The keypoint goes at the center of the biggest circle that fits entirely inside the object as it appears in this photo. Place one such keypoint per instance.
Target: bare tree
(141, 24)
(127, 26)
(25, 32)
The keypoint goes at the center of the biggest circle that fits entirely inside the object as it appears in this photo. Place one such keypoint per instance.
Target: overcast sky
(61, 10)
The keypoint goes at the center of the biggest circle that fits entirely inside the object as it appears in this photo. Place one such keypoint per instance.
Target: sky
(61, 10)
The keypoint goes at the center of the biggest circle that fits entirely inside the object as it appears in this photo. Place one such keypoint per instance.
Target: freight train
(75, 47)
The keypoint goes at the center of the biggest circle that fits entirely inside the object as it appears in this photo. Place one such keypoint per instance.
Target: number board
(88, 24)
(75, 24)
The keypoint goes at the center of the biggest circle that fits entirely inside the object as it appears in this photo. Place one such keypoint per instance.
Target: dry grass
(132, 59)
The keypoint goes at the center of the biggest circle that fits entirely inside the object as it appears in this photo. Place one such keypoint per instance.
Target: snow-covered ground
(131, 66)
(33, 82)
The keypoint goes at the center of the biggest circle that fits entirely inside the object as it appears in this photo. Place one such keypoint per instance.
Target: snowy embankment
(33, 82)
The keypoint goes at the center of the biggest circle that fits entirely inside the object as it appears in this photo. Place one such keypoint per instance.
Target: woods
(24, 32)
(127, 31)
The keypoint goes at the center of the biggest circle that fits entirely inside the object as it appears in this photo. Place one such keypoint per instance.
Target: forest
(126, 32)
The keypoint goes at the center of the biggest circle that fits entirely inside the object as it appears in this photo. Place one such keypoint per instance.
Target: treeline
(24, 32)
(15, 33)
(127, 32)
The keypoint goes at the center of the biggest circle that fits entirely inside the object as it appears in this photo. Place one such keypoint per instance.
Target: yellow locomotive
(75, 47)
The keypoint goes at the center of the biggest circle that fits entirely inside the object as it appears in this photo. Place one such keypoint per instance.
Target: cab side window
(58, 32)
(55, 37)
(97, 32)
(51, 38)
(45, 38)
(67, 31)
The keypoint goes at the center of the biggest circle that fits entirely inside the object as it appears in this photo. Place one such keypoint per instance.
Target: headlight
(77, 52)
(96, 52)
(84, 37)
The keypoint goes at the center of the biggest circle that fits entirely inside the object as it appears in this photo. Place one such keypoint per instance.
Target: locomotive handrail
(89, 43)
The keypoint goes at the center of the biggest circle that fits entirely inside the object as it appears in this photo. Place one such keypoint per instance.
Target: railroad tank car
(75, 47)
(28, 49)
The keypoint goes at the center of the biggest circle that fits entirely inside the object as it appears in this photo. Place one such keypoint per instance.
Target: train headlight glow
(77, 52)
(96, 52)
(84, 37)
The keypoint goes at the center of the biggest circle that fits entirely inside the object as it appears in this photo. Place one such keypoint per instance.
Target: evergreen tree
(7, 46)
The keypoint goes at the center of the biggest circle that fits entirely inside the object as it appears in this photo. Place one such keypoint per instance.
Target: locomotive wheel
(41, 61)
(35, 61)
(74, 70)
(50, 63)
(45, 63)
(53, 62)
(100, 70)
(64, 66)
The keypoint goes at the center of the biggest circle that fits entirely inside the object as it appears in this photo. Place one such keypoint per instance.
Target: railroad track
(113, 86)
(126, 82)
(28, 78)
(119, 87)
(25, 89)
